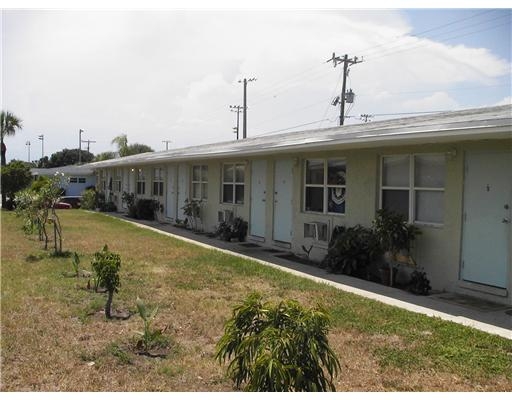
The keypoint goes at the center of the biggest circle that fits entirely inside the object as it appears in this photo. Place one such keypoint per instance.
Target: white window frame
(158, 178)
(411, 188)
(140, 179)
(325, 186)
(234, 183)
(202, 181)
(116, 184)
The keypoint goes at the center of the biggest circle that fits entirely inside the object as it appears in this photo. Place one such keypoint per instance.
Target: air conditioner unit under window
(316, 230)
(225, 216)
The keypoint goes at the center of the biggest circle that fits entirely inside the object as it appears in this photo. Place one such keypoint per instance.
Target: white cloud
(437, 101)
(504, 102)
(158, 75)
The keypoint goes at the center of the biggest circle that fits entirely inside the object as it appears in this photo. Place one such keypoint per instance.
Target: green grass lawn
(54, 337)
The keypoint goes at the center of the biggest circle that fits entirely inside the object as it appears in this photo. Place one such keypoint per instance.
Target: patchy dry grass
(55, 339)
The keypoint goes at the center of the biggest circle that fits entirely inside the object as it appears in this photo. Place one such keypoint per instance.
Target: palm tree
(8, 124)
(122, 144)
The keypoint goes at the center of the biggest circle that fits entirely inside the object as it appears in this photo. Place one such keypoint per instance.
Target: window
(200, 182)
(414, 186)
(81, 180)
(73, 179)
(117, 180)
(325, 186)
(158, 182)
(233, 178)
(141, 182)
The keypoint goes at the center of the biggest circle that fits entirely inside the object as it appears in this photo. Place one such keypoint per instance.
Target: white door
(183, 178)
(283, 211)
(487, 214)
(171, 199)
(258, 193)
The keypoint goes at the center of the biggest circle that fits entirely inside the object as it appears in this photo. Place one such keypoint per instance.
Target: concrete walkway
(492, 318)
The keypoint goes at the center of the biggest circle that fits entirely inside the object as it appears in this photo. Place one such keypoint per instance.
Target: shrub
(106, 265)
(88, 199)
(281, 347)
(419, 283)
(240, 229)
(352, 250)
(237, 229)
(108, 206)
(394, 232)
(145, 209)
(15, 177)
(224, 231)
(192, 209)
(128, 198)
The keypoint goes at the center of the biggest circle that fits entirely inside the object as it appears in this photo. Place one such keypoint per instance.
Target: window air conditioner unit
(225, 216)
(316, 230)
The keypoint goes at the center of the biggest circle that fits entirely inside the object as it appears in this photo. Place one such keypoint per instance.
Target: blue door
(283, 210)
(486, 220)
(258, 194)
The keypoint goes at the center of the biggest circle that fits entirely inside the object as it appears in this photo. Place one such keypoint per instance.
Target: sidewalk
(479, 314)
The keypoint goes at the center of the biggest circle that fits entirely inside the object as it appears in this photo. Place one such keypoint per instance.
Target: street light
(27, 143)
(41, 138)
(80, 146)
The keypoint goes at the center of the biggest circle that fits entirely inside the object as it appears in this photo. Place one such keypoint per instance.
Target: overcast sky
(171, 75)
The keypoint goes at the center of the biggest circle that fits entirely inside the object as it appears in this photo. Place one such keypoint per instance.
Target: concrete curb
(495, 330)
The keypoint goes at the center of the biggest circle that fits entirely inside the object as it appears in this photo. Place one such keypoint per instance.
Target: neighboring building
(75, 180)
(450, 173)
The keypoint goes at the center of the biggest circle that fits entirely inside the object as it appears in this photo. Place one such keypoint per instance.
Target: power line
(352, 116)
(291, 127)
(287, 82)
(387, 52)
(325, 116)
(398, 38)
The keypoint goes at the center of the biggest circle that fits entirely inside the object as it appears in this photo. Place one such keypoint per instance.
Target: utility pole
(347, 62)
(80, 146)
(88, 143)
(237, 109)
(166, 144)
(41, 138)
(245, 103)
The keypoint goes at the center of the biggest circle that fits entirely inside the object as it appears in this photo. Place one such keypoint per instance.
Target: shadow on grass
(61, 254)
(31, 258)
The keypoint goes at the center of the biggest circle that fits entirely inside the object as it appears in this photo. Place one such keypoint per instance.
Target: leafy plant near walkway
(352, 250)
(149, 335)
(279, 348)
(192, 209)
(106, 266)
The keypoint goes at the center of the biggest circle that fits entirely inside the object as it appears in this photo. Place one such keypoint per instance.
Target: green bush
(88, 199)
(145, 209)
(279, 348)
(15, 177)
(106, 265)
(352, 250)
